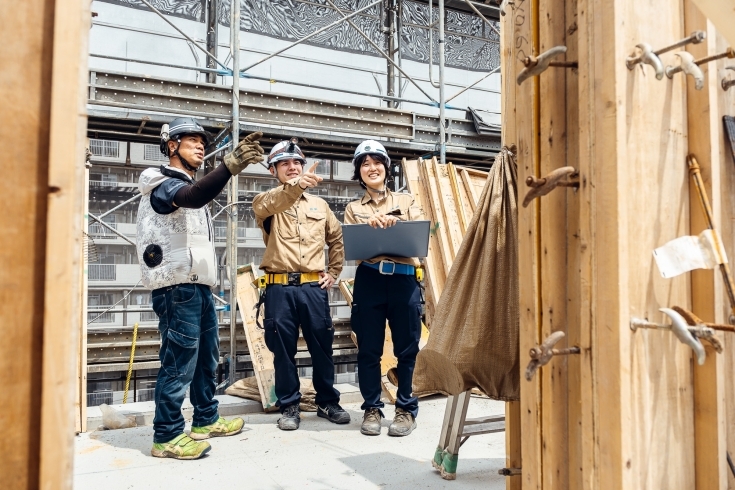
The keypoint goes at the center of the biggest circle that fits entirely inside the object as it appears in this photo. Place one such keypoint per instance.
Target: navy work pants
(377, 298)
(189, 355)
(286, 309)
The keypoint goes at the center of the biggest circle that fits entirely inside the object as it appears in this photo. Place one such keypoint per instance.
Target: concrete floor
(319, 455)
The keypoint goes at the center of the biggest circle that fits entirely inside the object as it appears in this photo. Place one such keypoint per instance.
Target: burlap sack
(474, 332)
(248, 388)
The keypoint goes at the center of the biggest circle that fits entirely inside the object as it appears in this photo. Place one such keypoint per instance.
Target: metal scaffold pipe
(442, 102)
(232, 195)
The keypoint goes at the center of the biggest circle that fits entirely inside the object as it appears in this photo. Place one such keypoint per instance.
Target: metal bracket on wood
(726, 84)
(681, 329)
(690, 66)
(650, 57)
(535, 66)
(541, 187)
(504, 4)
(542, 354)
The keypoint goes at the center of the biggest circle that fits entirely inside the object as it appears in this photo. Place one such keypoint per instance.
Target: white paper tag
(690, 252)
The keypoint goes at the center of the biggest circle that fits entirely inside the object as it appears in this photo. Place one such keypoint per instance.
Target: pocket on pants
(182, 343)
(184, 293)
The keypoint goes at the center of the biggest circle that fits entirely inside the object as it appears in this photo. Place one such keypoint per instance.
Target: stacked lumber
(447, 195)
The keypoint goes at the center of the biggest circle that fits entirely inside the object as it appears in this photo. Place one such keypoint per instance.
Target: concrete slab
(319, 455)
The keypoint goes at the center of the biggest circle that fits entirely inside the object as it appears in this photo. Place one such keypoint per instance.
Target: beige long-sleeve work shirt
(399, 205)
(296, 226)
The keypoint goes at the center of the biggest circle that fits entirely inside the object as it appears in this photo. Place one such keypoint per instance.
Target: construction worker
(296, 225)
(177, 262)
(385, 288)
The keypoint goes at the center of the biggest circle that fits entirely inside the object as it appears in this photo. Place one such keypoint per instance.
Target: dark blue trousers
(189, 355)
(377, 298)
(286, 309)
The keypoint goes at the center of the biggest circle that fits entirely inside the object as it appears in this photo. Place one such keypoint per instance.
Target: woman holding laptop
(385, 289)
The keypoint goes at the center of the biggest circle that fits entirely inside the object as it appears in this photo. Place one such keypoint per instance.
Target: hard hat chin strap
(186, 164)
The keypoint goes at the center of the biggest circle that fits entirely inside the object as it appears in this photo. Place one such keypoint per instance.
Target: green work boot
(218, 429)
(180, 447)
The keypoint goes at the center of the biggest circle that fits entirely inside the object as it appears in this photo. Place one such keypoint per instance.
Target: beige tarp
(248, 388)
(474, 333)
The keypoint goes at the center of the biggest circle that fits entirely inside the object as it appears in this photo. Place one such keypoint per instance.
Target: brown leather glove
(247, 152)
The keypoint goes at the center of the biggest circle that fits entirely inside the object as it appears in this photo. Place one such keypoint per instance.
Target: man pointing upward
(296, 226)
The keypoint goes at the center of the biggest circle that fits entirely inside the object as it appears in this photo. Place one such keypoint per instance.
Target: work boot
(290, 418)
(334, 413)
(371, 422)
(403, 423)
(220, 428)
(180, 447)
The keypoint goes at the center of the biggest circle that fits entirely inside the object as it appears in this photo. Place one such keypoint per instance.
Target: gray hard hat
(182, 126)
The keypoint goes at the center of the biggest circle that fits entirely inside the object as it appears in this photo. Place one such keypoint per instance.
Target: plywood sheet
(261, 357)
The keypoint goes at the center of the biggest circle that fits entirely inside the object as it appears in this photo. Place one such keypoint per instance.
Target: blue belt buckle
(382, 263)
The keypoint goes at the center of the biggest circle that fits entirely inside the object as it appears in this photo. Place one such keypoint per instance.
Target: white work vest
(185, 237)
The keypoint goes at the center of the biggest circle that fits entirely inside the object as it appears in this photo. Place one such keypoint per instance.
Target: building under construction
(575, 159)
(306, 73)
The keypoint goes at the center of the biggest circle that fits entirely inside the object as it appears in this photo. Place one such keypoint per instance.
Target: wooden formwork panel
(622, 413)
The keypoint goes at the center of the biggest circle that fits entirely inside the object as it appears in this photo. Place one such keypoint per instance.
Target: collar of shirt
(366, 198)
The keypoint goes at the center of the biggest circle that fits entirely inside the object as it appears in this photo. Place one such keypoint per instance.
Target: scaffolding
(332, 128)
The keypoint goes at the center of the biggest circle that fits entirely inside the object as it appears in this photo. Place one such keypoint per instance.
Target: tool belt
(388, 268)
(286, 279)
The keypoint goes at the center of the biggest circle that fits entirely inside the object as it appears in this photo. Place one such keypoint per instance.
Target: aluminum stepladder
(456, 429)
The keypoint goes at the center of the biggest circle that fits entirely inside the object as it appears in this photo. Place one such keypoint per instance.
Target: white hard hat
(286, 150)
(371, 147)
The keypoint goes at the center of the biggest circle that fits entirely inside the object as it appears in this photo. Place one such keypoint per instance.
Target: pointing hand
(310, 178)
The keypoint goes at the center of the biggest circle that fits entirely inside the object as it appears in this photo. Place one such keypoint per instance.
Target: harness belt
(388, 268)
(284, 279)
(287, 279)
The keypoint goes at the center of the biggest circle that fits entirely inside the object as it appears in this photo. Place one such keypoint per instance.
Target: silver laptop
(404, 239)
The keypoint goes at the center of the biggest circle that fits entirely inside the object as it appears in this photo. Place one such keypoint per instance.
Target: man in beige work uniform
(296, 226)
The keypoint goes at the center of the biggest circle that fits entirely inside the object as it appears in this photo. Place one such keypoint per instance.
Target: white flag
(690, 252)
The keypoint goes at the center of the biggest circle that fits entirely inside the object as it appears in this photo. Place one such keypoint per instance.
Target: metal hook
(542, 354)
(541, 187)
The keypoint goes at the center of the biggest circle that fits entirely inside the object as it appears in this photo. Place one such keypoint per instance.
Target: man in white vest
(175, 243)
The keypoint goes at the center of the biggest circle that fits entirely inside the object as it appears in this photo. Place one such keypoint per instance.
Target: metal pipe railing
(232, 194)
(442, 102)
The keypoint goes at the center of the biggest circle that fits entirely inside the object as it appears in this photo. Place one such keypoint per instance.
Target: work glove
(247, 152)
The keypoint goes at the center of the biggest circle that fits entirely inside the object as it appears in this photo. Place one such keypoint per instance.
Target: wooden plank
(461, 199)
(513, 443)
(63, 26)
(710, 419)
(435, 275)
(470, 189)
(261, 357)
(519, 112)
(478, 183)
(553, 233)
(439, 227)
(722, 14)
(448, 206)
(82, 355)
(579, 399)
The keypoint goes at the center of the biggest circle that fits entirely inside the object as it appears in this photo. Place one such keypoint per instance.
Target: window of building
(153, 153)
(104, 148)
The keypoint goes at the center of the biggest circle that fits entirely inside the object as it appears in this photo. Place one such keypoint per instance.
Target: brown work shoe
(371, 422)
(403, 423)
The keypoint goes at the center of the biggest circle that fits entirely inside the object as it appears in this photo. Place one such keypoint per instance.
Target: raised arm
(277, 200)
